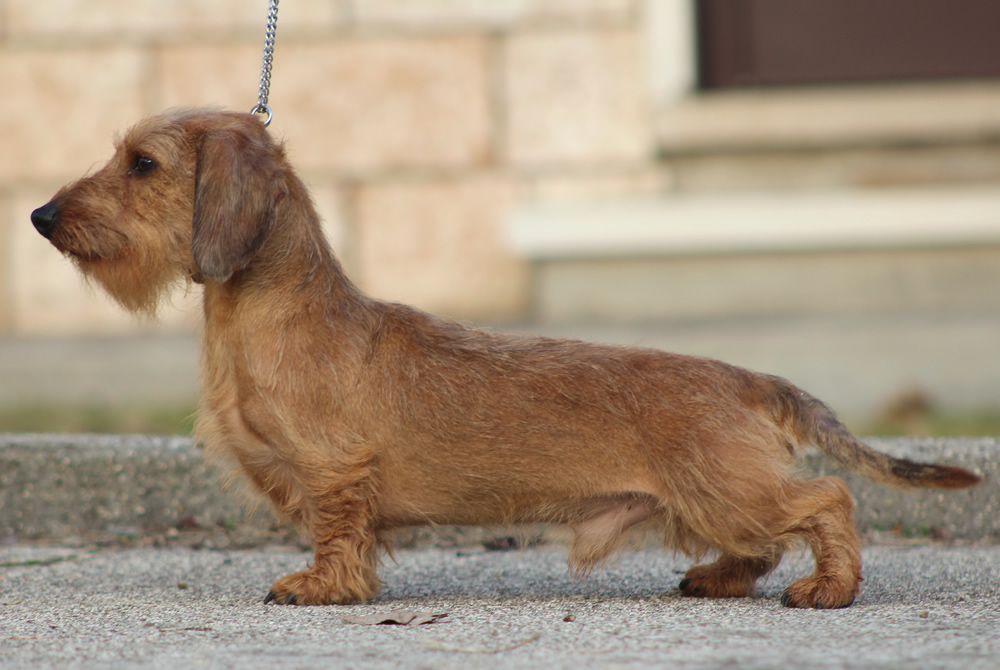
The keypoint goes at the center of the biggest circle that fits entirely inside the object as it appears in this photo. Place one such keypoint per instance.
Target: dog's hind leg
(730, 576)
(818, 512)
(752, 536)
(821, 512)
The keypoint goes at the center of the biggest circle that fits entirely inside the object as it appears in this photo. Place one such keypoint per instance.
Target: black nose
(45, 218)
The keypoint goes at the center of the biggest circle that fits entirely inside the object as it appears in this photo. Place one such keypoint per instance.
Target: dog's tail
(809, 420)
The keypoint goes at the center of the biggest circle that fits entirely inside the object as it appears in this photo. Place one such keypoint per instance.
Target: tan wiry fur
(355, 416)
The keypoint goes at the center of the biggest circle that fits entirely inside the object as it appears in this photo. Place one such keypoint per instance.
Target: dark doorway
(790, 42)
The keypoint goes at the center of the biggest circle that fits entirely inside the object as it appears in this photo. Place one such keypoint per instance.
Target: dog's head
(189, 194)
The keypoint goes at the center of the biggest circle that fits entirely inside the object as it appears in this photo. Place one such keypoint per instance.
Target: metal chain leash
(265, 68)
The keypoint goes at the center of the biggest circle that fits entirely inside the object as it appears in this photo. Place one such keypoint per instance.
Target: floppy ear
(237, 185)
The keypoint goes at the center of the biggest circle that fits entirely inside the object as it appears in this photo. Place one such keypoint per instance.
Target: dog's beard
(139, 285)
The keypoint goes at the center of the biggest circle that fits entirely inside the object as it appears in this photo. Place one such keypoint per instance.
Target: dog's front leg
(340, 517)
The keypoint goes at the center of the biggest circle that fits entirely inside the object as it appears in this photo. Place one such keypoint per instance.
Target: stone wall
(418, 124)
(425, 128)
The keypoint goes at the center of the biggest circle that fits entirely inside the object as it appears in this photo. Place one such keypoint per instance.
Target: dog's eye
(143, 165)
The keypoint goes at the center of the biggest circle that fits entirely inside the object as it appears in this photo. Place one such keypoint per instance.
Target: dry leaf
(396, 618)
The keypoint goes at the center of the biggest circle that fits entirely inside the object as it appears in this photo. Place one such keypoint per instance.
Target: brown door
(788, 42)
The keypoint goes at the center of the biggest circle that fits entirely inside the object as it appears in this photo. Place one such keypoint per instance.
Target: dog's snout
(44, 218)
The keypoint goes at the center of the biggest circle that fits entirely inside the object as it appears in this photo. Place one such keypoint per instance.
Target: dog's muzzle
(44, 218)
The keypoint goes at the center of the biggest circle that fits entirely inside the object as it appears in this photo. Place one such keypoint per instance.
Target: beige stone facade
(424, 126)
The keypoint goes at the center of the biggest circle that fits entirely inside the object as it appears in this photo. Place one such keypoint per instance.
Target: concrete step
(767, 285)
(758, 255)
(857, 364)
(71, 485)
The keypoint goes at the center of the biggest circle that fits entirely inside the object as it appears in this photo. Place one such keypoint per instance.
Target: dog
(354, 416)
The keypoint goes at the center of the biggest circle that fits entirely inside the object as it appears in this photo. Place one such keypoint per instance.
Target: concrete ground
(922, 606)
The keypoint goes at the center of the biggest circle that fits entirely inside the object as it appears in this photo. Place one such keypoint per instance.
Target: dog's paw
(273, 597)
(704, 582)
(818, 593)
(310, 587)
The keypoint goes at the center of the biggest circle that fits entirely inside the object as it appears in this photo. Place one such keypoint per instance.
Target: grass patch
(973, 424)
(179, 420)
(118, 419)
(912, 412)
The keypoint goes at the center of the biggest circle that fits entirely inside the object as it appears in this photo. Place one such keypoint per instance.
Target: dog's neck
(292, 261)
(292, 302)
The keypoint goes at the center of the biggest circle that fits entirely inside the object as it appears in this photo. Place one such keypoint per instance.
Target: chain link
(265, 68)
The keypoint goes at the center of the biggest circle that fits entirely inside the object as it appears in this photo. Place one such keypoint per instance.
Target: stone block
(354, 106)
(80, 20)
(440, 245)
(65, 107)
(329, 201)
(216, 75)
(599, 185)
(576, 97)
(493, 13)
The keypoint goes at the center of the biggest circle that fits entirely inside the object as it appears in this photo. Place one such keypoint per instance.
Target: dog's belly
(477, 497)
